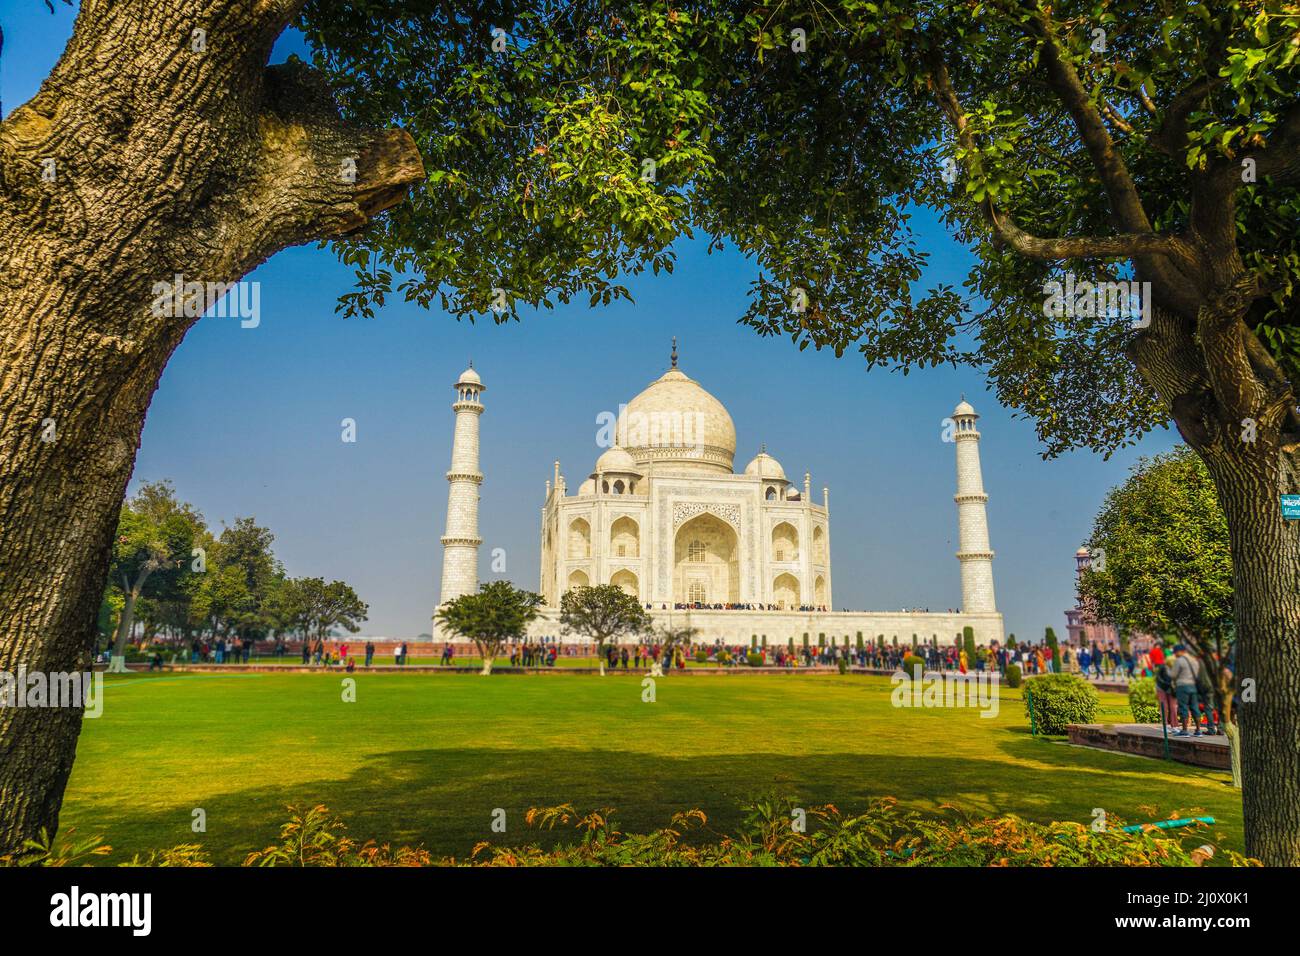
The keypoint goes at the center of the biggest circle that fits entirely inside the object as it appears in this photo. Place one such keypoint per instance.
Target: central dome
(675, 425)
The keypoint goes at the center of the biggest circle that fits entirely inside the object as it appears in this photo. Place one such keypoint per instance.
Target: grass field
(427, 758)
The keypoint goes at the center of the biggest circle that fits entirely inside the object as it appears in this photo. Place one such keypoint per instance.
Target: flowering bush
(884, 835)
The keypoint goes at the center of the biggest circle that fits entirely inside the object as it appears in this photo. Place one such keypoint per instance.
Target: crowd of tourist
(701, 606)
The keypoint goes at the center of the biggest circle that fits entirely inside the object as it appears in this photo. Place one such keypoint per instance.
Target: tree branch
(1127, 245)
(1125, 202)
(1171, 137)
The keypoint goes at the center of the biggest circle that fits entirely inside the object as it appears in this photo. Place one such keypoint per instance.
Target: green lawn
(427, 758)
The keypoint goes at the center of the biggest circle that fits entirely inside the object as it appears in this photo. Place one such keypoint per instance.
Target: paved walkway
(1147, 740)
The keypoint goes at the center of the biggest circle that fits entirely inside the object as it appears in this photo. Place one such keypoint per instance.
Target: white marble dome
(469, 377)
(963, 408)
(675, 424)
(765, 466)
(616, 460)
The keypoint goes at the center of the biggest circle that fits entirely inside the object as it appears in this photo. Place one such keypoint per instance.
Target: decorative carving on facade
(684, 511)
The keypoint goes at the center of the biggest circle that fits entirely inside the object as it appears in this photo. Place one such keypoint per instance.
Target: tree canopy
(497, 614)
(602, 612)
(1077, 138)
(1167, 565)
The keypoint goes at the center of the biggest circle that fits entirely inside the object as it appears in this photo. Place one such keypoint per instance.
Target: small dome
(469, 377)
(1083, 553)
(616, 459)
(964, 408)
(765, 466)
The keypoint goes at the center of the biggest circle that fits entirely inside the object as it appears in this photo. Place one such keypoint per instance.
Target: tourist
(370, 652)
(1205, 694)
(1184, 673)
(446, 654)
(1164, 686)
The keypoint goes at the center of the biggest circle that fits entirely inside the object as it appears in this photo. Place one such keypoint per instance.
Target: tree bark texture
(151, 150)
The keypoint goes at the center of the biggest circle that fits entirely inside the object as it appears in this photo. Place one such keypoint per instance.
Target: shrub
(755, 659)
(1060, 699)
(882, 835)
(911, 662)
(701, 655)
(1142, 700)
(843, 664)
(1013, 675)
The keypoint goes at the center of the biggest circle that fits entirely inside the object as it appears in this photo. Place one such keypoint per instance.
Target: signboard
(1291, 507)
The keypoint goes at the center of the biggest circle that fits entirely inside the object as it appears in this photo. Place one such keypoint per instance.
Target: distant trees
(1168, 561)
(155, 535)
(604, 613)
(497, 614)
(174, 578)
(314, 608)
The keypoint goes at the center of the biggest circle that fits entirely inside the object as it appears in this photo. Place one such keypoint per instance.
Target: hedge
(1060, 699)
(1142, 700)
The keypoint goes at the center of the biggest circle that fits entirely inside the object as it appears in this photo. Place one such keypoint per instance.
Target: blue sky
(247, 422)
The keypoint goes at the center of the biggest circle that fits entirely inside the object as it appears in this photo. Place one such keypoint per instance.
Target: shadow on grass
(445, 798)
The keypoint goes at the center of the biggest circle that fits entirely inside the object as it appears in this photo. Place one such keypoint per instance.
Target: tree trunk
(1233, 405)
(124, 623)
(1266, 596)
(167, 160)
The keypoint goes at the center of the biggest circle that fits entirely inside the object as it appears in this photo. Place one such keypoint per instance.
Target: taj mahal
(740, 556)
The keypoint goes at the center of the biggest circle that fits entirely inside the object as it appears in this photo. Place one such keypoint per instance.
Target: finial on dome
(674, 355)
(762, 448)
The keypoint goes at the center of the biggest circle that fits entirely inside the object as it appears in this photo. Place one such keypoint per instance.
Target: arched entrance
(624, 539)
(626, 580)
(579, 538)
(785, 542)
(785, 591)
(706, 562)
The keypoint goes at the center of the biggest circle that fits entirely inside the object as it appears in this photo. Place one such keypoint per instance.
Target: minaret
(975, 555)
(460, 543)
